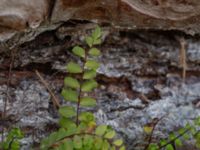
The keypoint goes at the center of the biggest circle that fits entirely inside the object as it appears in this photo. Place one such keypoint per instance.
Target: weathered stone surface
(140, 81)
(140, 73)
(157, 14)
(23, 15)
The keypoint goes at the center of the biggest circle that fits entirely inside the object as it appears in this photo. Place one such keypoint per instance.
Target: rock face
(25, 15)
(155, 14)
(140, 80)
(140, 75)
(22, 14)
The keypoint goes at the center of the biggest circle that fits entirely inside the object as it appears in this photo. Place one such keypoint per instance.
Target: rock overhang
(25, 16)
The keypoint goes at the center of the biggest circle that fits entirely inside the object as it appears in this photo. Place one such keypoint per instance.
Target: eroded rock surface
(140, 78)
(19, 15)
(24, 16)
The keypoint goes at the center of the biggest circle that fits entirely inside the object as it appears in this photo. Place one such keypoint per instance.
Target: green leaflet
(89, 41)
(79, 51)
(110, 134)
(181, 130)
(61, 133)
(153, 146)
(101, 130)
(96, 36)
(113, 148)
(52, 139)
(105, 145)
(77, 142)
(86, 117)
(66, 145)
(89, 74)
(197, 121)
(118, 142)
(71, 82)
(96, 33)
(178, 143)
(92, 64)
(66, 122)
(74, 68)
(89, 85)
(94, 52)
(122, 148)
(97, 42)
(88, 140)
(88, 102)
(186, 136)
(82, 127)
(172, 136)
(169, 147)
(15, 145)
(163, 142)
(98, 142)
(70, 95)
(193, 130)
(67, 111)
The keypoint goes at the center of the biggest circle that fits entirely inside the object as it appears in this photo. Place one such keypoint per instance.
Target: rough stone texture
(28, 109)
(155, 14)
(19, 15)
(140, 81)
(22, 18)
(140, 72)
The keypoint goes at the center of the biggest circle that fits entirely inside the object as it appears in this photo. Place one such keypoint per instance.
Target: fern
(12, 140)
(78, 129)
(176, 138)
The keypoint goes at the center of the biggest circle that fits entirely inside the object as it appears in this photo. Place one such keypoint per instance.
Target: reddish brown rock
(149, 14)
(155, 14)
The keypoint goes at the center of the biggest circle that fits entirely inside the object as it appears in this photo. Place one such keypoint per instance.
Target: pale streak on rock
(17, 14)
(168, 9)
(21, 14)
